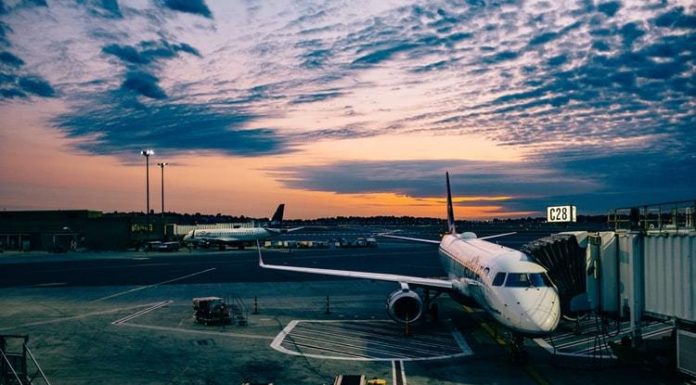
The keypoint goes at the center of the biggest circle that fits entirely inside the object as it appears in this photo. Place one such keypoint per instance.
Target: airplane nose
(542, 318)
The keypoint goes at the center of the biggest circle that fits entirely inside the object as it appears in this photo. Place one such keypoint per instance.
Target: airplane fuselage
(502, 281)
(239, 235)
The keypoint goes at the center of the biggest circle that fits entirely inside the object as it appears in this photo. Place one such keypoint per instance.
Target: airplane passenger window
(499, 279)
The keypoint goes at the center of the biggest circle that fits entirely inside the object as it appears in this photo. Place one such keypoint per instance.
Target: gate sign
(560, 214)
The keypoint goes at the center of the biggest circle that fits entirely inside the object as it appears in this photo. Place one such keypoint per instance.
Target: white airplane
(504, 282)
(240, 236)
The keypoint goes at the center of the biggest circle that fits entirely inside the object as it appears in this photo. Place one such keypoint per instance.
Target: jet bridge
(563, 256)
(643, 270)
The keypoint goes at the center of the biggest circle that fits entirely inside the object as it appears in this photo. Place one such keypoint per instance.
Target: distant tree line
(381, 220)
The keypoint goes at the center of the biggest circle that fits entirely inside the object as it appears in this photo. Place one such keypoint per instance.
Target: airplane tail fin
(277, 219)
(450, 210)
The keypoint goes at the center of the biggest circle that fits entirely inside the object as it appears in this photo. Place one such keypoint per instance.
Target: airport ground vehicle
(211, 310)
(162, 246)
(169, 246)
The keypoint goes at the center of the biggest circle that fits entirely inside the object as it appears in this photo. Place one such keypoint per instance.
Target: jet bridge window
(527, 280)
(499, 279)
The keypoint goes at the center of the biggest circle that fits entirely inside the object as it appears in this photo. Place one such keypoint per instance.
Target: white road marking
(141, 312)
(277, 343)
(153, 285)
(459, 338)
(191, 331)
(57, 320)
(50, 284)
(398, 374)
(403, 374)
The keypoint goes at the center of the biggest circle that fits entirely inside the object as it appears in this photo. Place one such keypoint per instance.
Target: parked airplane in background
(504, 282)
(240, 237)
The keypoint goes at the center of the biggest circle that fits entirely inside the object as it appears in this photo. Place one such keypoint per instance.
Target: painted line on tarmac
(49, 284)
(57, 320)
(141, 312)
(277, 343)
(527, 369)
(153, 285)
(493, 333)
(190, 331)
(398, 373)
(459, 338)
(544, 344)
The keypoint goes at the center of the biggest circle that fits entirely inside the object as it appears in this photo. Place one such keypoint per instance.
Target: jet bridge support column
(631, 271)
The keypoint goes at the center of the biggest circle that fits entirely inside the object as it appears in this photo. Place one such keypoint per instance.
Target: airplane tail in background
(450, 210)
(277, 219)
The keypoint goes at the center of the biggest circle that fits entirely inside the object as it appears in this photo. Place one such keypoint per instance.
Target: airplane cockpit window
(527, 280)
(499, 279)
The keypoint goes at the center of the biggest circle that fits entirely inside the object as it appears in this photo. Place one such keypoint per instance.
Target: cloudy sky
(347, 107)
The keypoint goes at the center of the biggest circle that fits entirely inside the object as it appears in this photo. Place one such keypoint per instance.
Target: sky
(347, 107)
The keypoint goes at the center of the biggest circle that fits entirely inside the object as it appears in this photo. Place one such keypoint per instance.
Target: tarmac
(126, 318)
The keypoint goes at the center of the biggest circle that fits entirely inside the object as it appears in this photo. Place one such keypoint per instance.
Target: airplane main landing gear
(518, 353)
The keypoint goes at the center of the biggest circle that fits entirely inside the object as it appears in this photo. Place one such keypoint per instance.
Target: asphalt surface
(138, 268)
(125, 317)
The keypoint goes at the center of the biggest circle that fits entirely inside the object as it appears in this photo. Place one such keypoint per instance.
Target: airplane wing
(498, 235)
(283, 231)
(421, 240)
(418, 281)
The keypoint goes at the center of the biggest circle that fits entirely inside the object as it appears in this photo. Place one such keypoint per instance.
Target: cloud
(630, 32)
(21, 86)
(589, 83)
(112, 125)
(314, 58)
(675, 18)
(189, 6)
(381, 55)
(11, 60)
(36, 85)
(148, 51)
(11, 93)
(3, 32)
(595, 183)
(609, 8)
(144, 84)
(141, 62)
(125, 53)
(424, 178)
(543, 38)
(317, 97)
(108, 8)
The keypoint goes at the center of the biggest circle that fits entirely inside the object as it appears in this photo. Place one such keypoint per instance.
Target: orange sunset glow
(356, 111)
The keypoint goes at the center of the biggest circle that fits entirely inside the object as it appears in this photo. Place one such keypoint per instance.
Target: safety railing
(670, 216)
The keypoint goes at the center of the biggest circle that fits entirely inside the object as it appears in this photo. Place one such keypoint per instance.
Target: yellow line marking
(496, 337)
(535, 376)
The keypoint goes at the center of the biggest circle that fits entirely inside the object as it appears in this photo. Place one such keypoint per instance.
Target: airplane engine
(404, 306)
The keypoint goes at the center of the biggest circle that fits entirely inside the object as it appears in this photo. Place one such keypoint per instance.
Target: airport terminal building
(63, 230)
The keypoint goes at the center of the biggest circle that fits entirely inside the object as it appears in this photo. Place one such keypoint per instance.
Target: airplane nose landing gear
(518, 353)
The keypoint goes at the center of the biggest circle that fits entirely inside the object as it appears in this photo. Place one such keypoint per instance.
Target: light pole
(162, 169)
(146, 154)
